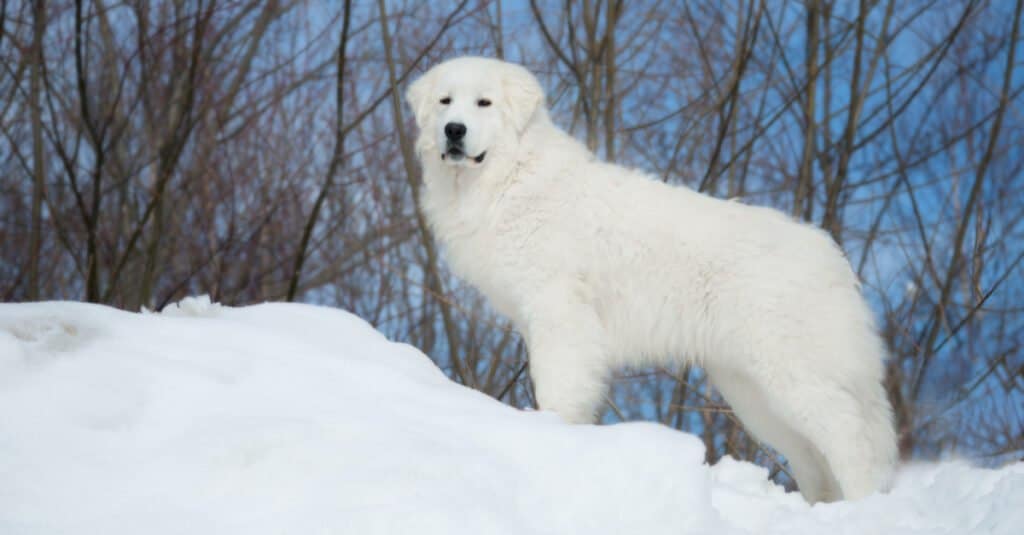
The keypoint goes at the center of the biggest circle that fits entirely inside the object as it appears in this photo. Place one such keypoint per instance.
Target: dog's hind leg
(753, 405)
(840, 445)
(859, 444)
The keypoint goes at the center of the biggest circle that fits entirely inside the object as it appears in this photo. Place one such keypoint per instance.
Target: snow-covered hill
(298, 419)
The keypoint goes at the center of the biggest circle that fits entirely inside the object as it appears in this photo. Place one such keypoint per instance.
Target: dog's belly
(648, 320)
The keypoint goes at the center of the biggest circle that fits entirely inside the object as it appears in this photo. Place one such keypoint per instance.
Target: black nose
(455, 131)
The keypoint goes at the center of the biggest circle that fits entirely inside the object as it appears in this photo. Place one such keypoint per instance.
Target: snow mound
(283, 418)
(198, 306)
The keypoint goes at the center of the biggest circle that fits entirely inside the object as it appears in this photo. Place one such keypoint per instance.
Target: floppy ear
(419, 97)
(523, 95)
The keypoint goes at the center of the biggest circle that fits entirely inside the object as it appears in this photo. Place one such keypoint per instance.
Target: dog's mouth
(456, 154)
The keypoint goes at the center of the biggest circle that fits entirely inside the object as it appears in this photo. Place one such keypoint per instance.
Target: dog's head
(467, 107)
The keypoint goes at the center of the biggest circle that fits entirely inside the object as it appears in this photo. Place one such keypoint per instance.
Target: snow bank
(287, 418)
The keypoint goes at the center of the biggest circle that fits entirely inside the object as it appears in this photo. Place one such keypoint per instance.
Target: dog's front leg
(568, 361)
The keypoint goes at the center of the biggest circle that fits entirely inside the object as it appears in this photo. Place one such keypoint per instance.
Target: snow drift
(285, 418)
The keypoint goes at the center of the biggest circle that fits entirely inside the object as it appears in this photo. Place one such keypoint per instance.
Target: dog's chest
(483, 248)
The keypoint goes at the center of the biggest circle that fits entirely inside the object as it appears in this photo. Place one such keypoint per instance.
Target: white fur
(600, 266)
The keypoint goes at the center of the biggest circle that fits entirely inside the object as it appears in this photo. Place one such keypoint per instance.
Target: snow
(284, 418)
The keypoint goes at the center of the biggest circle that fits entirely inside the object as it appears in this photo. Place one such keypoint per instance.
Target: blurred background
(260, 150)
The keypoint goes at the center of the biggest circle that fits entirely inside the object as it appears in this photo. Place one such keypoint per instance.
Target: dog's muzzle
(454, 152)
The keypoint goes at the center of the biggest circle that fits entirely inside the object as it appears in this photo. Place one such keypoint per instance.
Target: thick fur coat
(600, 266)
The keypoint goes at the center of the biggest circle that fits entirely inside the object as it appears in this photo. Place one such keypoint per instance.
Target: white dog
(601, 266)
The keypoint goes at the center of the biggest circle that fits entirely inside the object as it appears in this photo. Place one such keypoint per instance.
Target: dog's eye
(483, 103)
(446, 100)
